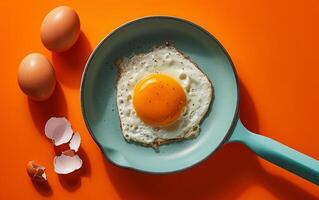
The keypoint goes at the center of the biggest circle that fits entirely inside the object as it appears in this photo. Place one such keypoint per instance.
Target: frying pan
(221, 125)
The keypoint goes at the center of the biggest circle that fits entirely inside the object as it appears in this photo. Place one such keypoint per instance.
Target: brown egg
(60, 29)
(36, 77)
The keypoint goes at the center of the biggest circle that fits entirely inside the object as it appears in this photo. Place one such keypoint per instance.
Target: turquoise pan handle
(278, 153)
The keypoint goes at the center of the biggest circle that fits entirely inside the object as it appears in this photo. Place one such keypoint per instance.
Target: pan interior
(99, 104)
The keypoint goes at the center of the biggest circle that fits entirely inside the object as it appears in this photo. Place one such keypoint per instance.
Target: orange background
(274, 46)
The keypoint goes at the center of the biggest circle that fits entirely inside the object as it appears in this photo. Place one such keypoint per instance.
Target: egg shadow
(55, 106)
(226, 174)
(72, 181)
(43, 188)
(69, 65)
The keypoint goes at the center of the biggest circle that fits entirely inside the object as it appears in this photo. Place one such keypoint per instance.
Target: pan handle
(277, 153)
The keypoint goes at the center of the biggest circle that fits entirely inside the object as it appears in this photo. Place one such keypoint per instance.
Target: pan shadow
(43, 188)
(55, 106)
(72, 181)
(226, 174)
(69, 65)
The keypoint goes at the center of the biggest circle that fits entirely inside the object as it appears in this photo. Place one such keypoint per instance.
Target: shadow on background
(69, 65)
(43, 188)
(55, 106)
(226, 174)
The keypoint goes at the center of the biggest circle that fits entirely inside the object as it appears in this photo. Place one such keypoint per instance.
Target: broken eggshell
(75, 142)
(59, 130)
(36, 172)
(67, 162)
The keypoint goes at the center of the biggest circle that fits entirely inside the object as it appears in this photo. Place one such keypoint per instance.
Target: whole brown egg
(60, 29)
(36, 77)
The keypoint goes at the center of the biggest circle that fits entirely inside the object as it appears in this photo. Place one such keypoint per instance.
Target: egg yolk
(158, 99)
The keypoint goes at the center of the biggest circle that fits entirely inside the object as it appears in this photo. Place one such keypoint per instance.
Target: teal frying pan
(221, 125)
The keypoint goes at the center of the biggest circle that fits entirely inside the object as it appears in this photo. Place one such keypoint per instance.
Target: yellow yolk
(158, 100)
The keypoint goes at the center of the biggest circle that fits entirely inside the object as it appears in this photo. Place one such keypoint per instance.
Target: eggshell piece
(60, 29)
(36, 172)
(36, 77)
(75, 142)
(59, 130)
(67, 162)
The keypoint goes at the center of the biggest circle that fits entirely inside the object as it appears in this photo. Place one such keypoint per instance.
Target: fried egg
(161, 95)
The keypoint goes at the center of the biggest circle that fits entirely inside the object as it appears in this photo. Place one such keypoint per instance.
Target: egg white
(164, 59)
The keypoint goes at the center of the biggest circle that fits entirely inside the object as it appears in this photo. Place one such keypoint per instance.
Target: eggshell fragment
(36, 172)
(67, 162)
(59, 130)
(75, 142)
